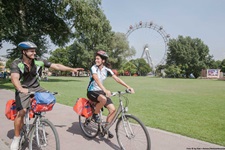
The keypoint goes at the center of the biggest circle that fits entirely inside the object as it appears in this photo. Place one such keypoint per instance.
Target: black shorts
(93, 96)
(23, 100)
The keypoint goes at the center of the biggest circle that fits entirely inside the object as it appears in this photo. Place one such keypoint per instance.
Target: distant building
(211, 73)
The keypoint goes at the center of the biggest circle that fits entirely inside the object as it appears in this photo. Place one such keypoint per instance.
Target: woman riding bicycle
(96, 92)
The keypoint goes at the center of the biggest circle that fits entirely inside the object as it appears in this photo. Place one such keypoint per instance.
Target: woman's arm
(120, 81)
(95, 77)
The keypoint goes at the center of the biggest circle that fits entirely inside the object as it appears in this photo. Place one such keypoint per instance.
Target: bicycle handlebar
(54, 93)
(127, 91)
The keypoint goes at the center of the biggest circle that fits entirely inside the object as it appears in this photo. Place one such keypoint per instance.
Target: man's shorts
(93, 96)
(23, 100)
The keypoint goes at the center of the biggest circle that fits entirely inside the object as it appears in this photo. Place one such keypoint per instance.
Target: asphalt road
(71, 137)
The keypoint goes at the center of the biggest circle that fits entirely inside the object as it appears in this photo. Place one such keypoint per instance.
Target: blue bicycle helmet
(26, 45)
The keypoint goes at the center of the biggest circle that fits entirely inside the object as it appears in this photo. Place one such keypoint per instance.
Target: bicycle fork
(41, 132)
(127, 127)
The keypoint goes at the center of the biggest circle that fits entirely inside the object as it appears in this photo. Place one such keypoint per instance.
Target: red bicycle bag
(82, 107)
(10, 109)
(11, 112)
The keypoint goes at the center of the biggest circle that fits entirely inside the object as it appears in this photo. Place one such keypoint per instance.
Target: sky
(203, 19)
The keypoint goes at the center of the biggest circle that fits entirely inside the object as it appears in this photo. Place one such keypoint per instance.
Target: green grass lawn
(190, 107)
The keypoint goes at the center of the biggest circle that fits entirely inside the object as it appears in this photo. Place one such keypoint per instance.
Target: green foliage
(8, 63)
(60, 55)
(222, 66)
(130, 67)
(215, 64)
(173, 71)
(61, 21)
(92, 27)
(93, 33)
(120, 50)
(34, 20)
(142, 66)
(190, 55)
(79, 56)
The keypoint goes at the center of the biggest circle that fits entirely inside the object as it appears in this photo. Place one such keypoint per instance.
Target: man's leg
(18, 124)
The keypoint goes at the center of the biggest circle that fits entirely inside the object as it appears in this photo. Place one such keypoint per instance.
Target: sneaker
(110, 135)
(15, 143)
(96, 118)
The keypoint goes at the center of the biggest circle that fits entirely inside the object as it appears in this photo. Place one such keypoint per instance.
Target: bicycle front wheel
(44, 136)
(132, 134)
(89, 127)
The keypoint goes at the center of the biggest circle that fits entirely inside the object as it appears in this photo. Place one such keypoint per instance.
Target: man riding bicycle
(25, 73)
(97, 92)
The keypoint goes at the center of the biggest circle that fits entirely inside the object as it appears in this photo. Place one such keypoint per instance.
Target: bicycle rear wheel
(89, 127)
(132, 134)
(23, 145)
(44, 136)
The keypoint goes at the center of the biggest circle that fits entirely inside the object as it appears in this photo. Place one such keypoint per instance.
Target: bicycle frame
(120, 110)
(28, 129)
(34, 124)
(129, 129)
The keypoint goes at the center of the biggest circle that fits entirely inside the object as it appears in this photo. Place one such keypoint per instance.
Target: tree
(130, 67)
(173, 71)
(35, 21)
(215, 64)
(190, 55)
(120, 50)
(79, 56)
(60, 55)
(142, 66)
(222, 66)
(93, 33)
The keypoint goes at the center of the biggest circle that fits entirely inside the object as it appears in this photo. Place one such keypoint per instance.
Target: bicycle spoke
(132, 134)
(89, 128)
(45, 137)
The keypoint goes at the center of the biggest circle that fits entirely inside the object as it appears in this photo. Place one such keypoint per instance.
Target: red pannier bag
(11, 112)
(41, 107)
(83, 108)
(10, 109)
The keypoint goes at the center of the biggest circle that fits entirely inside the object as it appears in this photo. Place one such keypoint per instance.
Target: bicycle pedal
(102, 134)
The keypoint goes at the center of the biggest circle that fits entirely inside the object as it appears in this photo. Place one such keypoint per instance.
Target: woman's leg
(112, 112)
(102, 101)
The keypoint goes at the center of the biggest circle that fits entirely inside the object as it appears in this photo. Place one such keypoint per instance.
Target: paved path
(71, 137)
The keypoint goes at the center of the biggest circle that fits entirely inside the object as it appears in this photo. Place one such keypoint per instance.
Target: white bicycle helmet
(26, 45)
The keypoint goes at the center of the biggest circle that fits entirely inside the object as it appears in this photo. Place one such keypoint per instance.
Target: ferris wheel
(164, 37)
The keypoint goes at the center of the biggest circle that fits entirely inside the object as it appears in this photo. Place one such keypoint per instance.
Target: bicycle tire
(89, 127)
(138, 137)
(45, 129)
(23, 144)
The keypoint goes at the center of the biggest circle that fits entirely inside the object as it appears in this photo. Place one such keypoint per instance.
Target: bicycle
(41, 134)
(131, 133)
